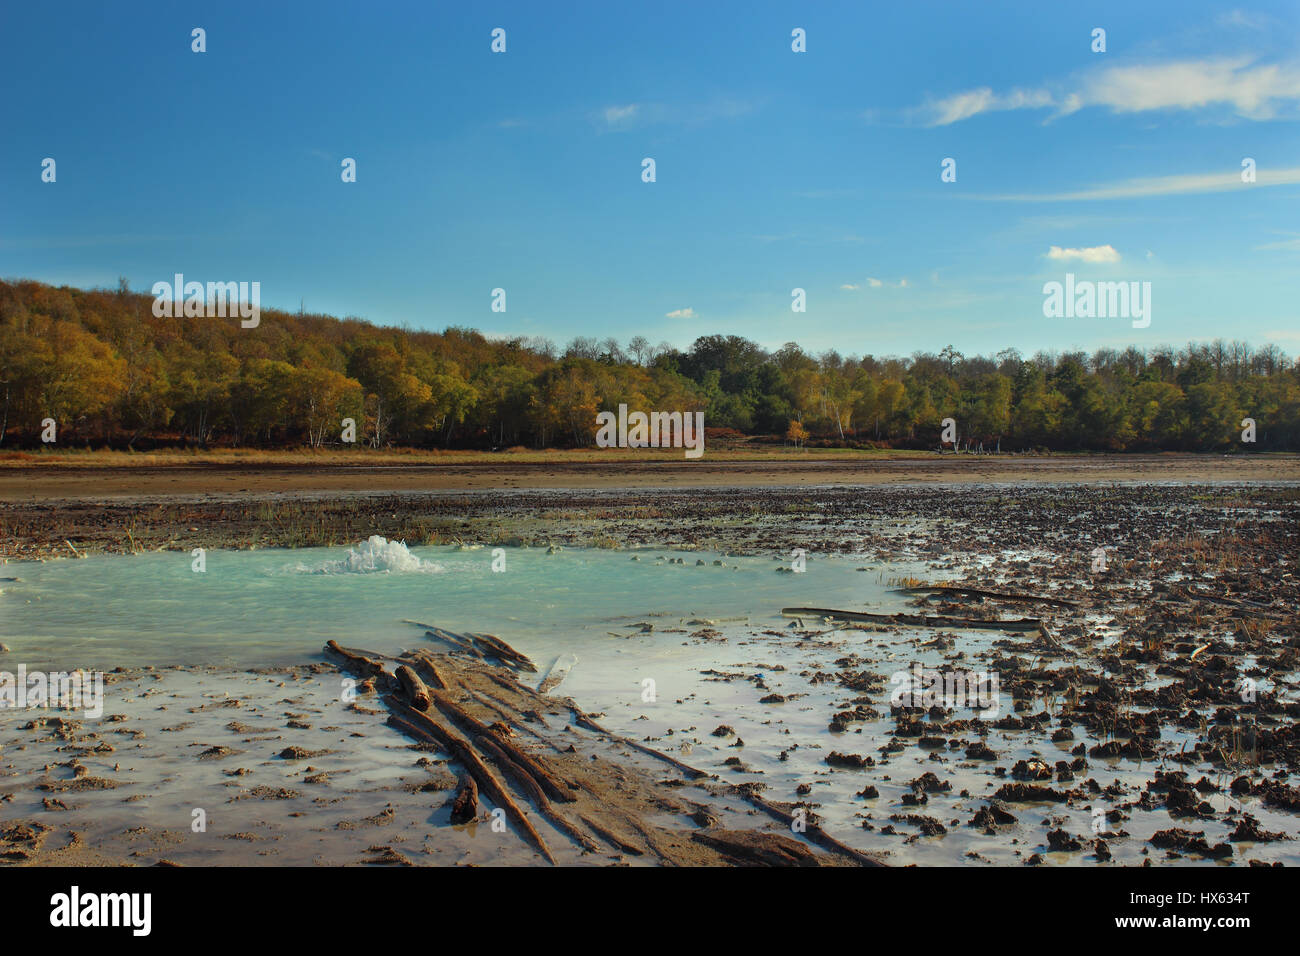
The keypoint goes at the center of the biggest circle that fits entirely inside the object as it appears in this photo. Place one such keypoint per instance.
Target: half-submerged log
(415, 689)
(504, 652)
(916, 620)
(363, 664)
(757, 847)
(455, 640)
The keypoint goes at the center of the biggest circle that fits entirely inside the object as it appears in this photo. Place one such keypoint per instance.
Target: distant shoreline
(122, 478)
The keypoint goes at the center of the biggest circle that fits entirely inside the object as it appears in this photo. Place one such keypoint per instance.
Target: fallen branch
(504, 652)
(981, 593)
(812, 831)
(1258, 609)
(1046, 635)
(582, 720)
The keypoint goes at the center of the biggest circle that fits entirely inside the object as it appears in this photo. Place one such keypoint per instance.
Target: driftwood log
(427, 696)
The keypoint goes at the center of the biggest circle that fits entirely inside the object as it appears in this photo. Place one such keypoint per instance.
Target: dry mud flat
(217, 477)
(1150, 715)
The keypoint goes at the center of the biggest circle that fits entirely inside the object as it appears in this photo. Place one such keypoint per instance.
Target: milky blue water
(271, 607)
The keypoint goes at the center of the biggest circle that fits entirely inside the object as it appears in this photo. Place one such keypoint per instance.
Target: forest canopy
(109, 372)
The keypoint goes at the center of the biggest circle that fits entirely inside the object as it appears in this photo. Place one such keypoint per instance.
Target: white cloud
(1194, 84)
(680, 314)
(1290, 245)
(1252, 90)
(1104, 253)
(874, 283)
(903, 283)
(962, 106)
(849, 287)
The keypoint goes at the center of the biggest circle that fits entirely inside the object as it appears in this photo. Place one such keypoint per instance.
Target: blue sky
(775, 169)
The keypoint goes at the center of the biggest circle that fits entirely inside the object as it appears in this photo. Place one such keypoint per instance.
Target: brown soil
(85, 478)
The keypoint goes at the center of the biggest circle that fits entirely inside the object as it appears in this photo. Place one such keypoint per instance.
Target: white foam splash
(376, 554)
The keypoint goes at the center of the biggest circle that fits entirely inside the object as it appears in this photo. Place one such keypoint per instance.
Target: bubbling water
(375, 555)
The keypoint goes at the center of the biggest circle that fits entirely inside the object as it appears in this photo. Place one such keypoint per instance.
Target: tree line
(109, 372)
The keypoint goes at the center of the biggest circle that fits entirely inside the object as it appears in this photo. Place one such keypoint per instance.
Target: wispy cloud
(614, 115)
(1104, 253)
(1161, 186)
(1252, 90)
(828, 194)
(1289, 245)
(970, 103)
(81, 242)
(680, 314)
(632, 115)
(806, 240)
(1244, 19)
